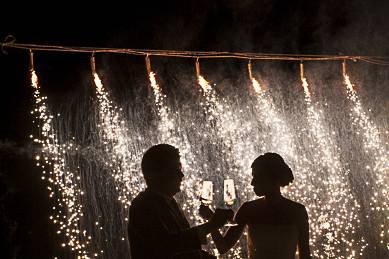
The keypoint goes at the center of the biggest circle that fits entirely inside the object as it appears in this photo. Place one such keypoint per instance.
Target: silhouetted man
(157, 226)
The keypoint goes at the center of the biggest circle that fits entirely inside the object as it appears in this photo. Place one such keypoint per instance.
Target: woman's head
(270, 172)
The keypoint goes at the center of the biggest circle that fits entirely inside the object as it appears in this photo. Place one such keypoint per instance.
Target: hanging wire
(9, 42)
(9, 39)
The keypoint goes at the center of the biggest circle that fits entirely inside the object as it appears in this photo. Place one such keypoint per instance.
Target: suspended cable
(9, 42)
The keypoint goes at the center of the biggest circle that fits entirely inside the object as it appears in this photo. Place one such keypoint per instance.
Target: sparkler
(115, 136)
(306, 188)
(282, 142)
(236, 135)
(233, 135)
(63, 185)
(341, 220)
(170, 133)
(374, 148)
(321, 183)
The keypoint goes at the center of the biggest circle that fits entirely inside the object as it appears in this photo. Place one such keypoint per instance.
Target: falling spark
(374, 147)
(304, 82)
(321, 180)
(170, 133)
(341, 221)
(256, 86)
(304, 189)
(63, 185)
(116, 138)
(233, 134)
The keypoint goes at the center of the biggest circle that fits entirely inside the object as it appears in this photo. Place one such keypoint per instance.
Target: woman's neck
(273, 196)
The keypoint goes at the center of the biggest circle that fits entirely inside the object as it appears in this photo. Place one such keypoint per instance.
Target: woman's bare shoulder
(254, 203)
(248, 209)
(293, 204)
(295, 208)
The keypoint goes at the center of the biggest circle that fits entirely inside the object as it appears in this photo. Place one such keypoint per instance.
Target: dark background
(293, 26)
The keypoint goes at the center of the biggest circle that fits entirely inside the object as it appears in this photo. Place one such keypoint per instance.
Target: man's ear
(152, 181)
(147, 180)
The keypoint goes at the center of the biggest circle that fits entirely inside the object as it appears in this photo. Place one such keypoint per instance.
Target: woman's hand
(205, 212)
(220, 217)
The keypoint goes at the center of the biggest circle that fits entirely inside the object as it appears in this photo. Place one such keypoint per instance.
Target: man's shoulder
(138, 198)
(145, 199)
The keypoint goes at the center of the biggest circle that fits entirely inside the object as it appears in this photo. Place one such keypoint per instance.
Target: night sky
(293, 26)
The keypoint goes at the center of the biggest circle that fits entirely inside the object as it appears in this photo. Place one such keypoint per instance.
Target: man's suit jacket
(158, 229)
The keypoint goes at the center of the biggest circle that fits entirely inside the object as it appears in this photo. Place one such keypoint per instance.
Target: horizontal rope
(10, 43)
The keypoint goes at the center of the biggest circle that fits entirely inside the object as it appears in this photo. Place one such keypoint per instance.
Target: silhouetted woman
(276, 226)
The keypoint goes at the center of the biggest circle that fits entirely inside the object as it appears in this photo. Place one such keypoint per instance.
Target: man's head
(162, 170)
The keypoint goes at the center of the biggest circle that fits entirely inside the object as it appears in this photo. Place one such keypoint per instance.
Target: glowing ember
(170, 134)
(256, 86)
(62, 184)
(378, 167)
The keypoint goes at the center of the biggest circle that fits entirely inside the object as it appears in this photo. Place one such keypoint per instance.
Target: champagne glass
(229, 197)
(206, 196)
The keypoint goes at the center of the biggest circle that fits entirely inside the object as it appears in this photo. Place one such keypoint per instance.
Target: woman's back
(272, 241)
(273, 227)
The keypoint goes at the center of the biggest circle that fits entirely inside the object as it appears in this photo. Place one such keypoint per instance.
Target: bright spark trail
(116, 138)
(86, 179)
(281, 141)
(170, 133)
(336, 228)
(123, 156)
(378, 169)
(63, 185)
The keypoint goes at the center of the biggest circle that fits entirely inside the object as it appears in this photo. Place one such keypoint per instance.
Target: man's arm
(216, 221)
(147, 231)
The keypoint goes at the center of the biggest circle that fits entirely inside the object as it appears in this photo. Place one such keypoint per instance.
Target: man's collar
(164, 196)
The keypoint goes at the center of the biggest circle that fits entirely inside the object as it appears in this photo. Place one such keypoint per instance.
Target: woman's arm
(226, 242)
(217, 220)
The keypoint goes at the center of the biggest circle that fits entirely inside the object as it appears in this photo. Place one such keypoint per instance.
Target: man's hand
(221, 216)
(216, 220)
(205, 212)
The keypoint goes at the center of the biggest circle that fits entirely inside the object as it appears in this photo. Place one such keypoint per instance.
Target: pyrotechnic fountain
(94, 177)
